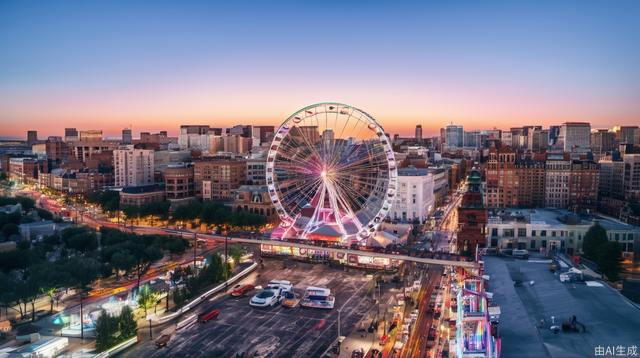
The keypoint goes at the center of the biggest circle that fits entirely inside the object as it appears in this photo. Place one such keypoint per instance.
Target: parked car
(242, 290)
(162, 341)
(208, 316)
(291, 300)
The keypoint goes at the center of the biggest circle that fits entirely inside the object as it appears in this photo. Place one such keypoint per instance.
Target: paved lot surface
(610, 319)
(245, 331)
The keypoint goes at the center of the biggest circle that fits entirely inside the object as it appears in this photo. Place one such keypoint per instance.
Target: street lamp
(226, 261)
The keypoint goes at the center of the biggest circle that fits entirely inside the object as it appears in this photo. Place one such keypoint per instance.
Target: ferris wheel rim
(287, 218)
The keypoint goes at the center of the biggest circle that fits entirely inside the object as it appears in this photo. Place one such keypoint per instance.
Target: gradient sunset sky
(158, 64)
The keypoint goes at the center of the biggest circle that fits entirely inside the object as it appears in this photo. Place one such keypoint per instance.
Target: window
(533, 233)
(507, 232)
(543, 233)
(553, 234)
(543, 243)
(522, 232)
(533, 244)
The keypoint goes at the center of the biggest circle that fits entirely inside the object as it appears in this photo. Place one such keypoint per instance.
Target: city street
(242, 330)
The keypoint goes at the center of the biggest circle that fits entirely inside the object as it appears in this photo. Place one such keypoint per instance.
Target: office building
(629, 135)
(178, 182)
(194, 137)
(91, 135)
(127, 137)
(217, 178)
(454, 136)
(32, 137)
(603, 141)
(575, 136)
(71, 135)
(418, 135)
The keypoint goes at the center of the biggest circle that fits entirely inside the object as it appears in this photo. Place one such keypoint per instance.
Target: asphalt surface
(609, 318)
(242, 330)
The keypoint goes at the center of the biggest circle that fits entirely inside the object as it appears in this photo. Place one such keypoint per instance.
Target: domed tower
(472, 216)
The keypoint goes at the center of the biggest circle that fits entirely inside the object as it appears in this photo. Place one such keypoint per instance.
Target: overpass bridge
(465, 264)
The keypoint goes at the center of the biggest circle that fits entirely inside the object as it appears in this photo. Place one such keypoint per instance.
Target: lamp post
(195, 245)
(81, 323)
(150, 332)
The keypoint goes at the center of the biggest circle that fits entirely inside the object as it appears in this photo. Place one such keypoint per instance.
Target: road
(242, 330)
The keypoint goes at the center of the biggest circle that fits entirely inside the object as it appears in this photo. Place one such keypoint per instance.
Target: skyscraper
(419, 133)
(575, 136)
(32, 137)
(126, 136)
(453, 136)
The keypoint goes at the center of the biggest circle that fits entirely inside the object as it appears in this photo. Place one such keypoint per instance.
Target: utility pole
(150, 332)
(195, 245)
(226, 261)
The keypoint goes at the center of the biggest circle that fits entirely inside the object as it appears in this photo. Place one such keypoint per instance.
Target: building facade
(414, 199)
(217, 178)
(133, 167)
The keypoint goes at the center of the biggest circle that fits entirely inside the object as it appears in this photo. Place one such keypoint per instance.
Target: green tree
(608, 260)
(595, 237)
(123, 261)
(127, 323)
(107, 331)
(147, 298)
(606, 254)
(44, 214)
(235, 252)
(10, 229)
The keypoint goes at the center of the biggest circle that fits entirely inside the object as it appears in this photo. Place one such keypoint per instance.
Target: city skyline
(156, 68)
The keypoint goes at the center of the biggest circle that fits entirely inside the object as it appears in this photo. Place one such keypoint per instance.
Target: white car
(265, 298)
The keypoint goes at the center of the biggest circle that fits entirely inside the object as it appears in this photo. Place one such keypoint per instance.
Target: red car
(206, 317)
(242, 290)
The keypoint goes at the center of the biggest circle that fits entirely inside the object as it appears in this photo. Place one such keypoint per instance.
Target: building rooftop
(414, 172)
(557, 217)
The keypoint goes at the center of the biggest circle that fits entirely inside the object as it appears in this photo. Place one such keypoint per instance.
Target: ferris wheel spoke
(306, 192)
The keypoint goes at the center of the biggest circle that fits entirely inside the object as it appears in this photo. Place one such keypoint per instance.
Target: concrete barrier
(117, 348)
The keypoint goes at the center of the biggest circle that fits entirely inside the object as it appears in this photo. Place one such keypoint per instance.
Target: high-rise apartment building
(537, 139)
(418, 135)
(178, 180)
(575, 136)
(133, 167)
(502, 178)
(557, 173)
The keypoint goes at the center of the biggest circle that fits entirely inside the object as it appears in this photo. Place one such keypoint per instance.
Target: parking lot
(245, 331)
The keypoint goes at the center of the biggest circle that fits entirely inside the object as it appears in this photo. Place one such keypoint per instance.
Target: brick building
(472, 216)
(216, 178)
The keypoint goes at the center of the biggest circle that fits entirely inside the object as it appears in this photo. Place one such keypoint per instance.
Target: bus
(318, 297)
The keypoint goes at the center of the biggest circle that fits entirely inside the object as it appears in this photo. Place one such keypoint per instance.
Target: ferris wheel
(331, 174)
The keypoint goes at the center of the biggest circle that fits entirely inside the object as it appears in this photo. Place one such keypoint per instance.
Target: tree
(608, 260)
(108, 200)
(81, 271)
(10, 229)
(147, 298)
(106, 331)
(80, 239)
(44, 214)
(606, 254)
(235, 253)
(595, 237)
(122, 261)
(127, 323)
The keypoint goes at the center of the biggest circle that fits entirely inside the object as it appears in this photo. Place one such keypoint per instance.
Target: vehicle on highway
(272, 294)
(162, 341)
(242, 290)
(291, 299)
(208, 316)
(318, 297)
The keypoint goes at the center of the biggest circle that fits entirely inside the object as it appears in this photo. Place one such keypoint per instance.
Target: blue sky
(157, 64)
